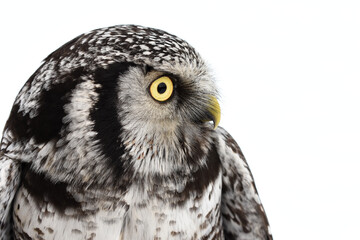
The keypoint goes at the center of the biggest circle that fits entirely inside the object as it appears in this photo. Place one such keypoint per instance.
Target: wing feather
(9, 182)
(243, 215)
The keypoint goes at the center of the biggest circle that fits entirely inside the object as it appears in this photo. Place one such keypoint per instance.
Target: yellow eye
(161, 89)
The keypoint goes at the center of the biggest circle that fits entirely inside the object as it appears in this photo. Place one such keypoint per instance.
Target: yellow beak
(215, 111)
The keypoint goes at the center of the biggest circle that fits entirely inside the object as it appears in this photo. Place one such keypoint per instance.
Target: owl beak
(214, 111)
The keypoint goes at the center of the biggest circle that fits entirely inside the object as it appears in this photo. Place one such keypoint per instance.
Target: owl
(115, 136)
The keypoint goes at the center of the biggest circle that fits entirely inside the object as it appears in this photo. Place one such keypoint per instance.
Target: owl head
(116, 100)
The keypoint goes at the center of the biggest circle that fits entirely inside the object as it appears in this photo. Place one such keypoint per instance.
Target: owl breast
(193, 217)
(143, 211)
(86, 218)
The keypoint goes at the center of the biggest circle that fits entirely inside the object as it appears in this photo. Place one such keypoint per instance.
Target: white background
(289, 74)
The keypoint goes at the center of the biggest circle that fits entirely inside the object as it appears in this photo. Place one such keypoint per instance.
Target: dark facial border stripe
(105, 115)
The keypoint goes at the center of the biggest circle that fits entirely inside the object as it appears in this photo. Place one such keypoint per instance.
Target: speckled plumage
(87, 153)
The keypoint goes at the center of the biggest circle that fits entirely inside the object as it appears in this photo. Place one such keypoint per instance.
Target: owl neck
(167, 150)
(173, 171)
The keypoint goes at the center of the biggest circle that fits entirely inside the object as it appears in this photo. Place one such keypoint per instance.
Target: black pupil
(161, 88)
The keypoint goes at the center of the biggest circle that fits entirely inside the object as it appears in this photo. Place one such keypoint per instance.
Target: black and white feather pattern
(242, 212)
(88, 154)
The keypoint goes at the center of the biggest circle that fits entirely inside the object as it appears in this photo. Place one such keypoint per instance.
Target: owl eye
(161, 89)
